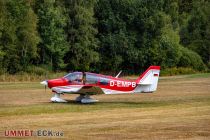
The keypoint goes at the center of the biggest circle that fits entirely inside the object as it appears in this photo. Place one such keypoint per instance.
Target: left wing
(78, 89)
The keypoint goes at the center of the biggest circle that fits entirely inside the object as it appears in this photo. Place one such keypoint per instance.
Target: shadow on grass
(116, 104)
(108, 103)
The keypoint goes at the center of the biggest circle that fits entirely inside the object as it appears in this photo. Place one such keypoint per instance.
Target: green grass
(199, 75)
(179, 109)
(51, 108)
(29, 77)
(21, 85)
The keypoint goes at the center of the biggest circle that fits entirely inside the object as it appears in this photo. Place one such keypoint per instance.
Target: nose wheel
(56, 98)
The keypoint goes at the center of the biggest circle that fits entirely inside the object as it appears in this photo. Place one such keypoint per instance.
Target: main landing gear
(85, 99)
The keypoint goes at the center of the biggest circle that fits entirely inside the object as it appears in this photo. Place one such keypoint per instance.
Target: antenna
(118, 74)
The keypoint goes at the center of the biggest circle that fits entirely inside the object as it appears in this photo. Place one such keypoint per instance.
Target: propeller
(45, 88)
(45, 83)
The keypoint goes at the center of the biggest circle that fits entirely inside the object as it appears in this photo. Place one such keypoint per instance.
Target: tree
(117, 34)
(19, 36)
(2, 26)
(82, 52)
(195, 30)
(52, 22)
(132, 34)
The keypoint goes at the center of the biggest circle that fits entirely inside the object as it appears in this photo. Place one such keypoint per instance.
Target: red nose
(57, 82)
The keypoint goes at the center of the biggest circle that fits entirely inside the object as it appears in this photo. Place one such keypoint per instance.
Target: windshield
(75, 77)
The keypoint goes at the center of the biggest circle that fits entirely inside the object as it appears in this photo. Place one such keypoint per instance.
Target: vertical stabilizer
(149, 79)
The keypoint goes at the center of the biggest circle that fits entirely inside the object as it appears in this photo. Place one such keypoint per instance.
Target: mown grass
(71, 106)
(179, 109)
(199, 75)
(51, 108)
(29, 77)
(21, 85)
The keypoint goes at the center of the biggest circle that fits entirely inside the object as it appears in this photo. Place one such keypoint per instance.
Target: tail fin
(149, 79)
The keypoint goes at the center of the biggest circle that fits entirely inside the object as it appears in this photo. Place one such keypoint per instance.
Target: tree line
(103, 35)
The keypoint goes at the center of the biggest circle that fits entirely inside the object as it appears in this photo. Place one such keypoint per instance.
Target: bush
(208, 65)
(36, 70)
(191, 59)
(177, 71)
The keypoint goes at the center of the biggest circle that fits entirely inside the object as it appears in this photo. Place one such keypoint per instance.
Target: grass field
(180, 109)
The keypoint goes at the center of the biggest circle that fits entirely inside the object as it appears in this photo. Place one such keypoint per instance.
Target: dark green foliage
(191, 59)
(136, 34)
(103, 35)
(19, 36)
(195, 32)
(165, 48)
(82, 54)
(52, 22)
(2, 26)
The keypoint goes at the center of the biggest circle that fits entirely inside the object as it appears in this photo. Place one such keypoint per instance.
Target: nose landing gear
(56, 98)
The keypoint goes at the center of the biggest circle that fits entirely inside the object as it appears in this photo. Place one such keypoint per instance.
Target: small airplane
(87, 84)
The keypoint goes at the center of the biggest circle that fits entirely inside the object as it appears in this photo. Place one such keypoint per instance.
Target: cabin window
(91, 79)
(104, 81)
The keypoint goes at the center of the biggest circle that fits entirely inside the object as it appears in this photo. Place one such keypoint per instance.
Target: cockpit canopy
(74, 77)
(86, 78)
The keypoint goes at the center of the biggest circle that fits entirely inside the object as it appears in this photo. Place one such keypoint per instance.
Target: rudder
(149, 79)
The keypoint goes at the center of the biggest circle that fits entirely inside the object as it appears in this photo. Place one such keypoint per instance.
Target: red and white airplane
(87, 84)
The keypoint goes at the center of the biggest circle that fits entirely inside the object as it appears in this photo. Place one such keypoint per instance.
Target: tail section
(148, 81)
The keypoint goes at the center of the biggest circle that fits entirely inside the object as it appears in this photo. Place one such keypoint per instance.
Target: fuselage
(87, 84)
(77, 79)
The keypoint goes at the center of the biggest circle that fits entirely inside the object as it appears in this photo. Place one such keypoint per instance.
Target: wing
(78, 89)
